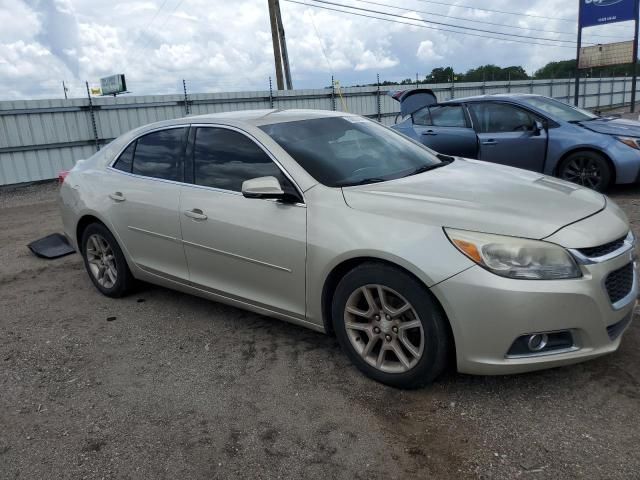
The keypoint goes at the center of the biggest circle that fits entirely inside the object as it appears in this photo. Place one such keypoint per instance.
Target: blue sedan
(526, 131)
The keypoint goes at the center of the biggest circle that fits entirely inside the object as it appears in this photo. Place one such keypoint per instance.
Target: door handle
(491, 141)
(196, 214)
(429, 132)
(117, 196)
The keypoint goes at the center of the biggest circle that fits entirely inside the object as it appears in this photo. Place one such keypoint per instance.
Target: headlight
(633, 142)
(514, 257)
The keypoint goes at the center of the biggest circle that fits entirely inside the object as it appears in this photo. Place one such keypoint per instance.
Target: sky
(225, 45)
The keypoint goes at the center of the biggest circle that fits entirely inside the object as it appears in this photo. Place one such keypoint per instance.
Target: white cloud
(226, 45)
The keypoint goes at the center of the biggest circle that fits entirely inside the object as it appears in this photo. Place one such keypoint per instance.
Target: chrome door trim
(235, 255)
(154, 234)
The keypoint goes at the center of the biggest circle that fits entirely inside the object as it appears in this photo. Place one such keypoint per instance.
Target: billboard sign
(600, 12)
(603, 55)
(113, 85)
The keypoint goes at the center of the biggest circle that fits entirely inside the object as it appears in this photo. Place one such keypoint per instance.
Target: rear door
(508, 135)
(143, 201)
(446, 129)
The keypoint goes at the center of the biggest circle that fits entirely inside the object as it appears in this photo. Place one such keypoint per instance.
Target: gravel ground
(165, 385)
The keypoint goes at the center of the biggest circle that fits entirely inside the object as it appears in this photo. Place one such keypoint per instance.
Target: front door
(143, 197)
(508, 135)
(247, 249)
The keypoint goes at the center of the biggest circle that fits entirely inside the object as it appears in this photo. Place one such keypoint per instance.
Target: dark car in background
(528, 131)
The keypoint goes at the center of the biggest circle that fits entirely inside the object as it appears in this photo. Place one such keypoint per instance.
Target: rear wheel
(105, 262)
(589, 169)
(389, 326)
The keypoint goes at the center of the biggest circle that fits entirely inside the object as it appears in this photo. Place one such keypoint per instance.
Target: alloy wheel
(584, 171)
(384, 328)
(101, 260)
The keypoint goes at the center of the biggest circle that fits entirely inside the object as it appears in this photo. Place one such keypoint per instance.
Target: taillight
(62, 175)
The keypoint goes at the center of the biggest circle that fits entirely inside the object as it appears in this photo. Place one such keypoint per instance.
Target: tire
(105, 262)
(586, 168)
(422, 325)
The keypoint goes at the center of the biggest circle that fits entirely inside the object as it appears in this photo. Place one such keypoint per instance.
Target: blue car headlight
(633, 142)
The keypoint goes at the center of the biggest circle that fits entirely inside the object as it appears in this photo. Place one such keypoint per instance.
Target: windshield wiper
(364, 181)
(445, 160)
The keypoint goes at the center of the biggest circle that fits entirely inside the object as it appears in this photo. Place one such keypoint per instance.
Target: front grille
(619, 282)
(602, 250)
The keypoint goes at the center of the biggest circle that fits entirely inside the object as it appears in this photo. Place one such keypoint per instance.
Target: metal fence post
(551, 87)
(599, 90)
(568, 90)
(270, 93)
(93, 118)
(453, 87)
(186, 98)
(624, 89)
(333, 93)
(378, 99)
(613, 85)
(531, 86)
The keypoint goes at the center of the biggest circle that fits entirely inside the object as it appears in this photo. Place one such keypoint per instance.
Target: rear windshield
(343, 151)
(559, 110)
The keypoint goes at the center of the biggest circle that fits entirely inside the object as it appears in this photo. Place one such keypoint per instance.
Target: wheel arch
(84, 221)
(591, 149)
(344, 267)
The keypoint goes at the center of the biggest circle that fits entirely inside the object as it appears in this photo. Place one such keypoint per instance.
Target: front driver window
(225, 158)
(501, 117)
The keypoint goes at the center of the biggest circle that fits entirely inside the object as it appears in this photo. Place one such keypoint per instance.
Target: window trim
(189, 150)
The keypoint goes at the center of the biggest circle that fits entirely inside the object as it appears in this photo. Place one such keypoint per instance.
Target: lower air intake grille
(619, 283)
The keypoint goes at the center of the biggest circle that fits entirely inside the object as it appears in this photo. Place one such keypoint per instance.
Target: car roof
(493, 96)
(264, 117)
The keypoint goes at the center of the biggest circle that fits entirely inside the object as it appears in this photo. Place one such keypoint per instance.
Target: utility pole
(64, 89)
(275, 38)
(283, 46)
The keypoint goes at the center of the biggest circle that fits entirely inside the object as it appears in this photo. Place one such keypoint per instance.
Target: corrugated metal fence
(38, 138)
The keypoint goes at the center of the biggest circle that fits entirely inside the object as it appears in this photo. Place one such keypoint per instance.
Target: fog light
(537, 342)
(542, 343)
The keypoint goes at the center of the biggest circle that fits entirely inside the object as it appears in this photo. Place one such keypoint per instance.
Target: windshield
(343, 151)
(559, 110)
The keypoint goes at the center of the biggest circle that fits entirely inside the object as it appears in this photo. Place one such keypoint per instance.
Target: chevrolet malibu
(413, 260)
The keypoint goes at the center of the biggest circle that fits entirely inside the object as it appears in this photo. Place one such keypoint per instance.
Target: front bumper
(488, 312)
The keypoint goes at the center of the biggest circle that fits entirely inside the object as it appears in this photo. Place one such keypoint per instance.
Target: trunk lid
(414, 99)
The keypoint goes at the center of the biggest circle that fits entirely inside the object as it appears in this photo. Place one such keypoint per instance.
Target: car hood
(480, 196)
(613, 126)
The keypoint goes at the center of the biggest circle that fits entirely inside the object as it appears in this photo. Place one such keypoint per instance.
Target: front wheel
(389, 326)
(588, 169)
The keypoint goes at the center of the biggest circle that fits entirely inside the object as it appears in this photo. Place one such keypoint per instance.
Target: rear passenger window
(159, 154)
(225, 158)
(125, 161)
(441, 116)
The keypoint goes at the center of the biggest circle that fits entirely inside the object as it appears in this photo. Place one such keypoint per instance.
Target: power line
(478, 21)
(428, 26)
(432, 22)
(519, 14)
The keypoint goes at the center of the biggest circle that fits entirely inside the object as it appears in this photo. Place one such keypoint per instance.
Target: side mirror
(262, 187)
(538, 127)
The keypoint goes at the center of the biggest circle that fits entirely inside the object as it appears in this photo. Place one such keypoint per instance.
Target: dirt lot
(165, 385)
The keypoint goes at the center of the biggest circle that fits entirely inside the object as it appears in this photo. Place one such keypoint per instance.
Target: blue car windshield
(559, 110)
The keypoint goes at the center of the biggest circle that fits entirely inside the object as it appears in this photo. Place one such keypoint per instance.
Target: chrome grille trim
(628, 244)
